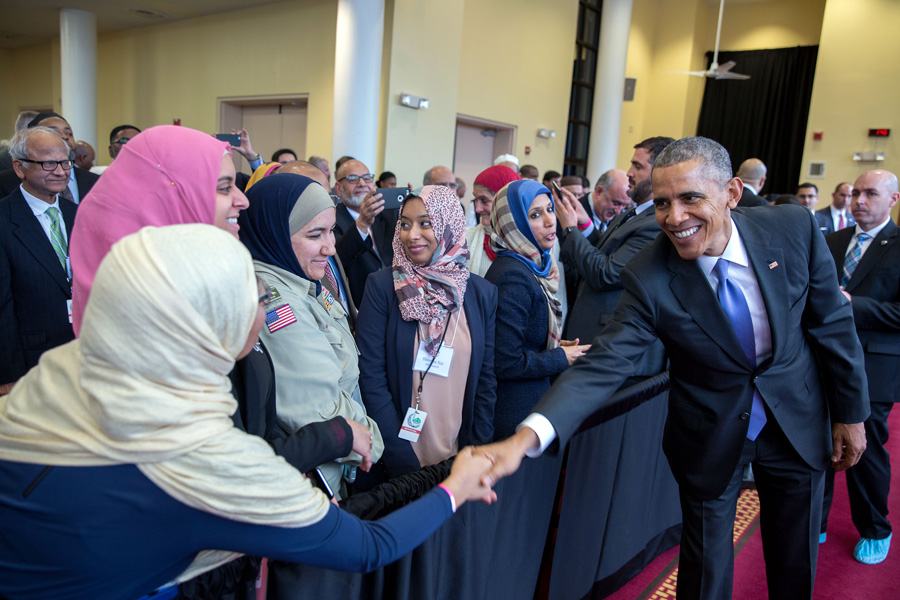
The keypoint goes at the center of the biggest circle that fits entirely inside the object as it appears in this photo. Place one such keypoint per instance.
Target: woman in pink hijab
(166, 175)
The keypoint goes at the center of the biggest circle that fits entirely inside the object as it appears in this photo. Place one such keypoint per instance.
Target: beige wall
(674, 35)
(412, 141)
(152, 75)
(856, 87)
(516, 68)
(28, 76)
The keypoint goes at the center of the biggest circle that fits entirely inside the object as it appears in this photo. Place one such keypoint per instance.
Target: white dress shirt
(866, 243)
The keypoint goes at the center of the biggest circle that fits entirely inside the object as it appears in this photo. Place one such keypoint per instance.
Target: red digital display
(879, 132)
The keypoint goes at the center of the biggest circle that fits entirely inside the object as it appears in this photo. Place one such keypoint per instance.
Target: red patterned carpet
(838, 576)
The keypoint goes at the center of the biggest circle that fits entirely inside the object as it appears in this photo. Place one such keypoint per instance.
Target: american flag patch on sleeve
(280, 317)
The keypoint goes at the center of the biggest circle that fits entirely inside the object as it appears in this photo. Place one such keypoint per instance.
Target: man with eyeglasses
(363, 230)
(80, 180)
(119, 136)
(35, 272)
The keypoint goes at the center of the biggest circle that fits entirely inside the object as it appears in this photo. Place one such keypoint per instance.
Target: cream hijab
(146, 383)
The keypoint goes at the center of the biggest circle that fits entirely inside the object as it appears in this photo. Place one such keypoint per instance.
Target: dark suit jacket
(34, 288)
(712, 382)
(85, 180)
(358, 257)
(523, 363)
(826, 223)
(875, 288)
(749, 199)
(601, 287)
(386, 359)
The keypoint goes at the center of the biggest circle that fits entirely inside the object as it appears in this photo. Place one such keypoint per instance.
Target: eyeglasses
(50, 165)
(354, 179)
(452, 186)
(266, 296)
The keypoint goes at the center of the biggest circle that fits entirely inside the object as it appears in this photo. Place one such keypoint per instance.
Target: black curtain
(763, 117)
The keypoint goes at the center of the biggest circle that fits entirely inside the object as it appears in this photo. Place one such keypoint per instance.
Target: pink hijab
(165, 175)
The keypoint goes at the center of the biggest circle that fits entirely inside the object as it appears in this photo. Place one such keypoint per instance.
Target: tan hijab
(146, 383)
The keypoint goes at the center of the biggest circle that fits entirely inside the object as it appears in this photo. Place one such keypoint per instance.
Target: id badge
(69, 309)
(441, 364)
(412, 424)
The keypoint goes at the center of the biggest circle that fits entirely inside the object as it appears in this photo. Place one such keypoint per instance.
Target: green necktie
(57, 239)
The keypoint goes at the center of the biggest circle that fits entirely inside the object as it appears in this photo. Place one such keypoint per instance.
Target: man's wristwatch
(567, 231)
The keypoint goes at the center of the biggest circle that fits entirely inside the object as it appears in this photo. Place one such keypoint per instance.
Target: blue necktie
(735, 306)
(851, 261)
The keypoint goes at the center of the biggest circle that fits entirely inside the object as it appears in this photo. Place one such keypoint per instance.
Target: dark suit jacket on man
(712, 382)
(749, 199)
(34, 288)
(359, 257)
(875, 288)
(826, 223)
(601, 286)
(85, 180)
(386, 344)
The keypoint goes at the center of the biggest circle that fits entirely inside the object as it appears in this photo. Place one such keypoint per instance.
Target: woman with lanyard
(288, 230)
(529, 314)
(119, 463)
(426, 339)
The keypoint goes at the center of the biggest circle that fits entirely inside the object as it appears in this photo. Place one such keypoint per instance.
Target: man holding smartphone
(364, 230)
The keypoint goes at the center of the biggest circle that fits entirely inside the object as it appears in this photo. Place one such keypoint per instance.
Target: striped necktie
(851, 261)
(57, 240)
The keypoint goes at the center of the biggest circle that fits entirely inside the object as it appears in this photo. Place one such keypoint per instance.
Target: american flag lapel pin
(773, 264)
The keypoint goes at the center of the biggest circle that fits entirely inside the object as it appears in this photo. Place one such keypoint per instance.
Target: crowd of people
(209, 361)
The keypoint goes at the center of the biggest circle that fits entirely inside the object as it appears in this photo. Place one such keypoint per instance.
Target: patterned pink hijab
(165, 175)
(428, 293)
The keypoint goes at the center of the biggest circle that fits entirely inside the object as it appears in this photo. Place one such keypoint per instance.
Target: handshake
(477, 469)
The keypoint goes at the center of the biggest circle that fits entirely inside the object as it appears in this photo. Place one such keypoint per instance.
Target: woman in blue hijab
(528, 347)
(288, 230)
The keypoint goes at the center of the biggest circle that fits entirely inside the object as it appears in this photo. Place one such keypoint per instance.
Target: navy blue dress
(522, 361)
(109, 532)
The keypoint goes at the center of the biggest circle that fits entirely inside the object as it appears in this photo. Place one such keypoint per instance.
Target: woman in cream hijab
(118, 459)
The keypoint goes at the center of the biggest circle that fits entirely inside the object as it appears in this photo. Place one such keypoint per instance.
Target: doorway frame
(506, 133)
(226, 105)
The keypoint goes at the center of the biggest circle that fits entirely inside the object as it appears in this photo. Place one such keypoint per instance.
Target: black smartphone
(557, 188)
(393, 197)
(232, 138)
(318, 480)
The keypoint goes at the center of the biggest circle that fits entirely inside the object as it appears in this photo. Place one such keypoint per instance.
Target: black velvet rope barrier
(618, 511)
(397, 492)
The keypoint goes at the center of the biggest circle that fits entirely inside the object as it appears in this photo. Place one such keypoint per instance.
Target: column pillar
(78, 65)
(606, 119)
(357, 79)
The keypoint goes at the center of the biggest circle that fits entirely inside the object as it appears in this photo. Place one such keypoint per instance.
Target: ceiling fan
(715, 70)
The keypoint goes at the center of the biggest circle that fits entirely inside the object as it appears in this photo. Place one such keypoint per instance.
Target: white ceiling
(30, 22)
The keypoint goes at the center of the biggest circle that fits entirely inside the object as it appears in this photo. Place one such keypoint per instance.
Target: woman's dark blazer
(386, 342)
(523, 363)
